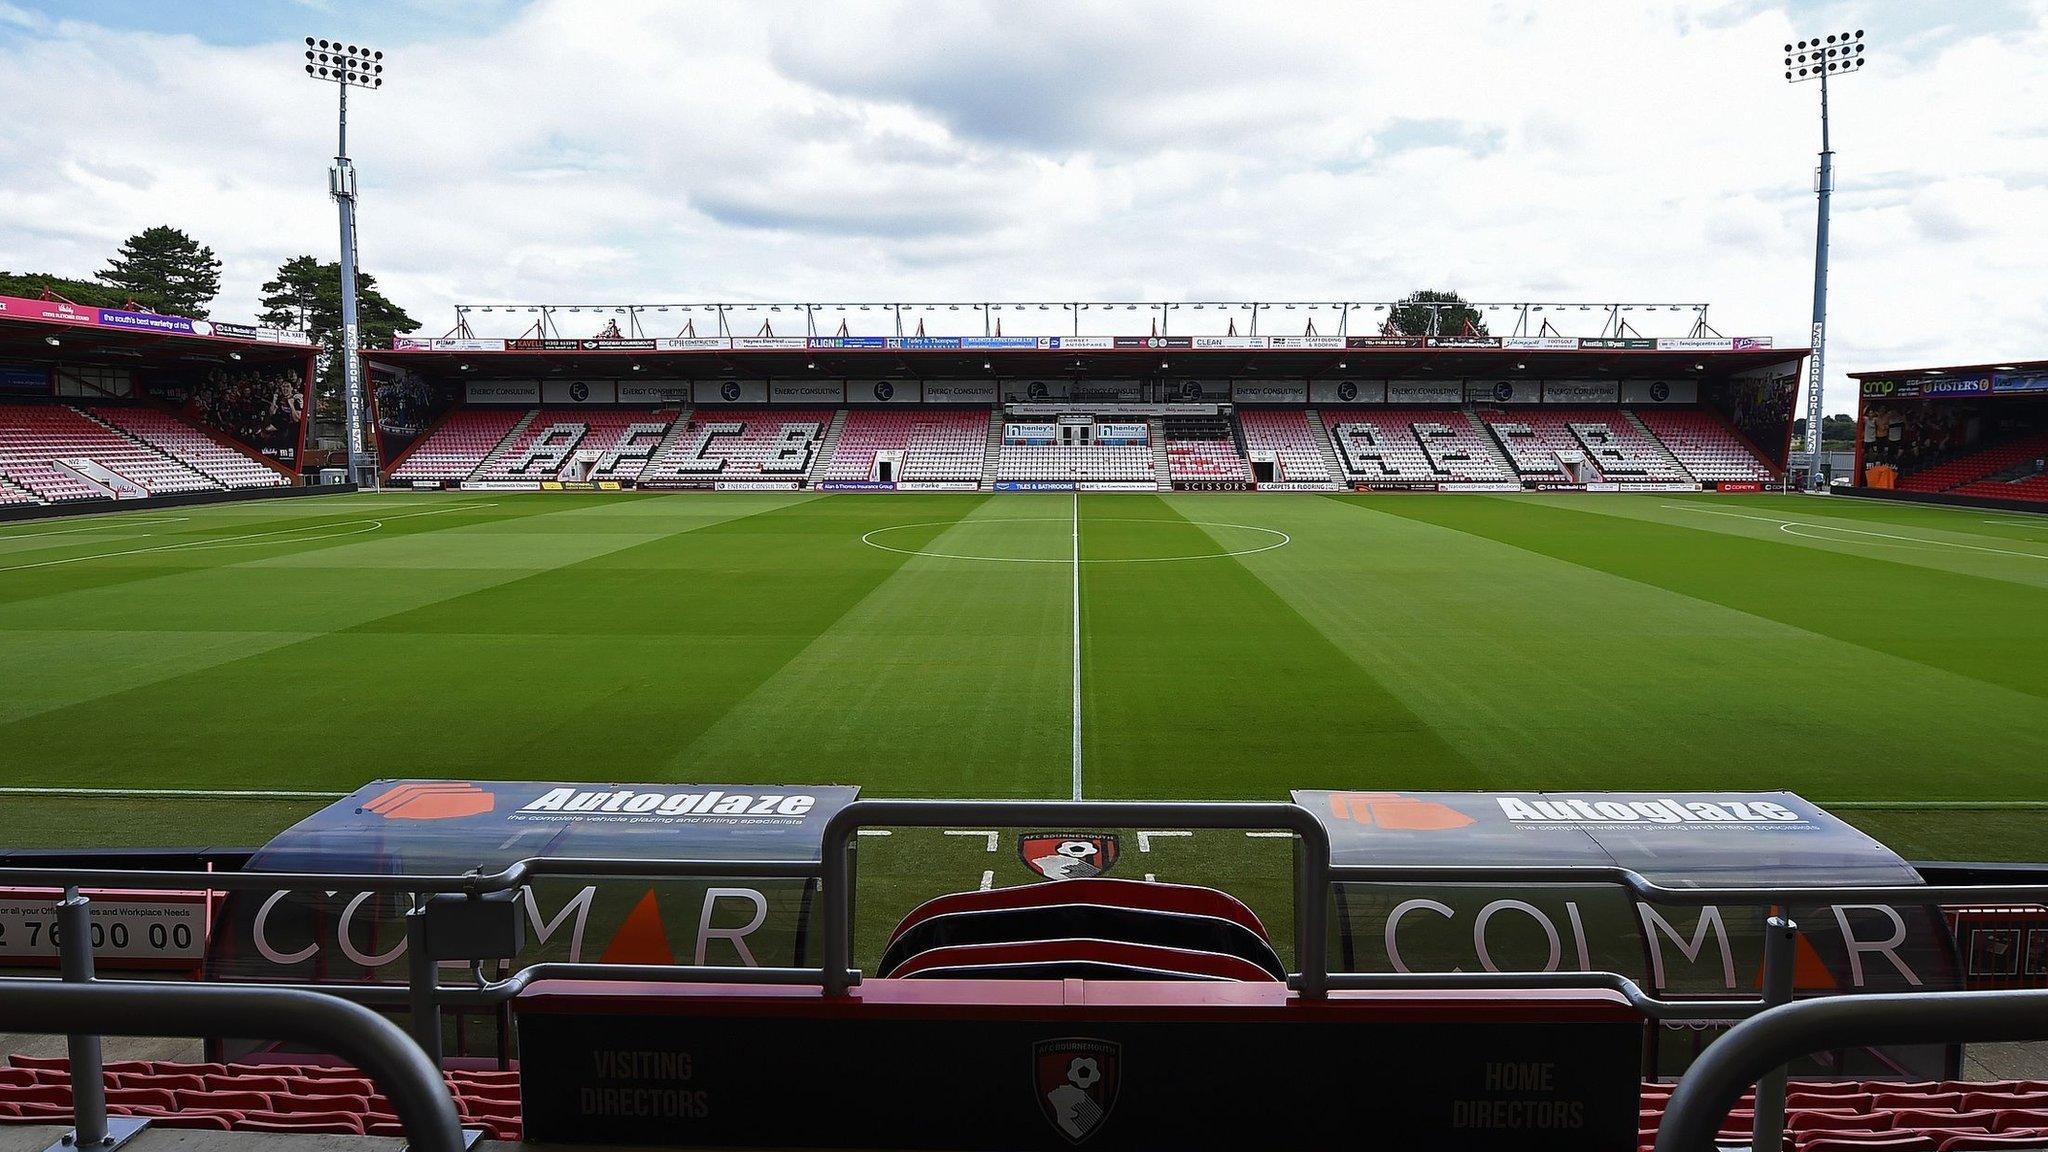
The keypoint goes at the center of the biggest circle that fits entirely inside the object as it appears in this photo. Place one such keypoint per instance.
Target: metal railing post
(88, 1078)
(1780, 937)
(421, 977)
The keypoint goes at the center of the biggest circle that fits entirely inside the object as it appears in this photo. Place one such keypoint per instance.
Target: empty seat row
(945, 445)
(1284, 437)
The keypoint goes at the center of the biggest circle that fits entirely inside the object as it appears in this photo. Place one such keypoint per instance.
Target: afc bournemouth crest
(1075, 1081)
(1067, 855)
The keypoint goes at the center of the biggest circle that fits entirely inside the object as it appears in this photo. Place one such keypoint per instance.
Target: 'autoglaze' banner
(1682, 839)
(451, 826)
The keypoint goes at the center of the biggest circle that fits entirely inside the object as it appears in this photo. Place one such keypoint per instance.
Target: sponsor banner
(857, 342)
(427, 485)
(1116, 486)
(855, 486)
(692, 343)
(1957, 386)
(1347, 392)
(1153, 342)
(574, 392)
(1560, 487)
(1232, 342)
(1462, 342)
(1300, 486)
(960, 392)
(770, 343)
(501, 485)
(999, 342)
(925, 343)
(1269, 392)
(1034, 486)
(1026, 391)
(1660, 391)
(678, 485)
(1738, 486)
(831, 393)
(446, 344)
(1602, 486)
(129, 929)
(756, 485)
(1649, 486)
(1886, 389)
(1503, 391)
(151, 322)
(1077, 343)
(237, 331)
(730, 392)
(1540, 343)
(883, 392)
(1616, 343)
(1580, 392)
(1418, 392)
(2020, 382)
(1212, 486)
(1323, 343)
(1197, 391)
(589, 344)
(579, 486)
(1752, 343)
(938, 486)
(1479, 486)
(51, 311)
(501, 391)
(1394, 486)
(1694, 344)
(672, 392)
(1383, 341)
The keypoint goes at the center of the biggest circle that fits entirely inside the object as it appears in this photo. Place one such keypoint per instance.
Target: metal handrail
(149, 1008)
(1768, 1040)
(1312, 882)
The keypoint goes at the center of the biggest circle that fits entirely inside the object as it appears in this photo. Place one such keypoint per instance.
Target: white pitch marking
(1151, 878)
(988, 880)
(1077, 643)
(94, 528)
(224, 541)
(873, 832)
(992, 836)
(1145, 838)
(219, 793)
(1787, 526)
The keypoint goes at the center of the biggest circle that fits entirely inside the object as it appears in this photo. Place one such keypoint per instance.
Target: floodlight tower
(348, 66)
(1837, 54)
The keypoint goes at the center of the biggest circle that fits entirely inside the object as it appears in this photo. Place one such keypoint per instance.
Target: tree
(1454, 317)
(165, 271)
(87, 293)
(306, 293)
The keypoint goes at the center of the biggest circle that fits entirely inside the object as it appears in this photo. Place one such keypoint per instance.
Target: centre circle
(1266, 540)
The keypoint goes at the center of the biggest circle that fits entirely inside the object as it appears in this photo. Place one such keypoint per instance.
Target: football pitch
(223, 669)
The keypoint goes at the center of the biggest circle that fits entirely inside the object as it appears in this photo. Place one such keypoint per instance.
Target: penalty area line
(179, 793)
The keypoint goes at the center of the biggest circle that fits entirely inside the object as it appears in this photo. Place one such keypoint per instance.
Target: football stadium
(1117, 721)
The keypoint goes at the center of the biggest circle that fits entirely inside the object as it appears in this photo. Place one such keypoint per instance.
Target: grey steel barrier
(139, 1008)
(1766, 1041)
(1312, 880)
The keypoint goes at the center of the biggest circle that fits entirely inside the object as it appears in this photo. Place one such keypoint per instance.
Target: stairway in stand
(995, 449)
(1320, 433)
(1161, 470)
(826, 447)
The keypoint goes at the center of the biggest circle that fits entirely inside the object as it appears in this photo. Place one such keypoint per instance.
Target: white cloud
(1609, 150)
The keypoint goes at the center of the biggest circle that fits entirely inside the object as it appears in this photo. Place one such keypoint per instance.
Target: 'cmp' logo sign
(1068, 855)
(1075, 1081)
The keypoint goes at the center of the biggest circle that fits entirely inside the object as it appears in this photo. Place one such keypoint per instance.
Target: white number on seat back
(550, 450)
(700, 458)
(792, 449)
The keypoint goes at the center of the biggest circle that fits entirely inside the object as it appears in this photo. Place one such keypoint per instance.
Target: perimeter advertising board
(960, 392)
(1503, 391)
(658, 394)
(824, 393)
(708, 392)
(892, 391)
(452, 826)
(1660, 392)
(1425, 392)
(1591, 392)
(502, 392)
(1678, 839)
(1269, 391)
(1347, 392)
(579, 393)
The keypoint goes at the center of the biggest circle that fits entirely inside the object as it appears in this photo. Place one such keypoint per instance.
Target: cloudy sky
(568, 150)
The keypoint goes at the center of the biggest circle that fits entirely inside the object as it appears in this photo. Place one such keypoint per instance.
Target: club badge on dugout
(1068, 855)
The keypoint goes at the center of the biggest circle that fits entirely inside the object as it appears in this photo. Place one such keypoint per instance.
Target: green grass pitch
(1232, 646)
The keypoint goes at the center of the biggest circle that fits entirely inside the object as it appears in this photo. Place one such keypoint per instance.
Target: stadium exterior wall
(180, 500)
